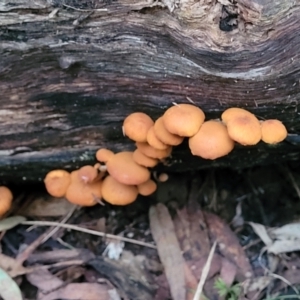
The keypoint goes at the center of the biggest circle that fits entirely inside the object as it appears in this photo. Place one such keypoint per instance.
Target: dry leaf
(192, 234)
(163, 232)
(286, 232)
(284, 246)
(261, 231)
(285, 239)
(127, 274)
(78, 291)
(256, 284)
(292, 276)
(163, 290)
(228, 271)
(225, 2)
(191, 282)
(47, 207)
(44, 280)
(11, 266)
(229, 245)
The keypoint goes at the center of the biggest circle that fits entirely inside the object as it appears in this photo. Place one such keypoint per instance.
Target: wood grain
(71, 71)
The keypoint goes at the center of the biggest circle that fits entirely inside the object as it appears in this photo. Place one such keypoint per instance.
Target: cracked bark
(71, 71)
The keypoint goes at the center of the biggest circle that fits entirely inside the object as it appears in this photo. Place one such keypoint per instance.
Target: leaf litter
(176, 244)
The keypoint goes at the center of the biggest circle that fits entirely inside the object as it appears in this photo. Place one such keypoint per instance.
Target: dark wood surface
(67, 80)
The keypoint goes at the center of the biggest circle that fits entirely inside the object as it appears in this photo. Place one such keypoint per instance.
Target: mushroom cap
(211, 141)
(57, 182)
(123, 168)
(136, 126)
(6, 198)
(164, 135)
(103, 155)
(144, 160)
(234, 112)
(149, 151)
(244, 129)
(117, 193)
(83, 194)
(87, 174)
(163, 177)
(147, 188)
(183, 119)
(273, 131)
(154, 141)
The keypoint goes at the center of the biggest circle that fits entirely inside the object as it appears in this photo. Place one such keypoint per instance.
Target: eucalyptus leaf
(9, 290)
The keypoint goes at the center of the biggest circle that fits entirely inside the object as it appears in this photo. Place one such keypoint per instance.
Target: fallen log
(71, 71)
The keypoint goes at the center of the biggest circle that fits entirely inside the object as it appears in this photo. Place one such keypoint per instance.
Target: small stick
(190, 100)
(89, 231)
(23, 256)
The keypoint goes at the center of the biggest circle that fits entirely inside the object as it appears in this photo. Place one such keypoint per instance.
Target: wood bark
(71, 71)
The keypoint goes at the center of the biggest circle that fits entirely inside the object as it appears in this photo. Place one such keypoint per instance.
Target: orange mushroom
(136, 126)
(149, 151)
(244, 130)
(273, 131)
(234, 112)
(183, 119)
(164, 135)
(83, 194)
(147, 188)
(103, 155)
(117, 193)
(124, 169)
(6, 198)
(211, 141)
(153, 140)
(144, 160)
(87, 174)
(243, 127)
(57, 182)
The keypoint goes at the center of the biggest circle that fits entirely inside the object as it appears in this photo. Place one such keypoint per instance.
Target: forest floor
(219, 229)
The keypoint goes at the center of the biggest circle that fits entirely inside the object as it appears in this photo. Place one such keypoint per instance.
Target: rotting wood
(71, 71)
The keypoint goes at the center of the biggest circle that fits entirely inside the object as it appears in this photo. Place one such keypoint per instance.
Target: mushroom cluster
(208, 139)
(118, 178)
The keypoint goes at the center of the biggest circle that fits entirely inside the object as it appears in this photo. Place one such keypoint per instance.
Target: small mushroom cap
(211, 141)
(273, 131)
(147, 188)
(6, 198)
(244, 130)
(149, 151)
(83, 194)
(183, 119)
(136, 126)
(153, 140)
(144, 160)
(234, 112)
(57, 182)
(163, 177)
(103, 155)
(164, 135)
(87, 174)
(124, 169)
(117, 193)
